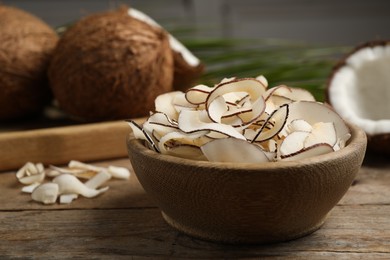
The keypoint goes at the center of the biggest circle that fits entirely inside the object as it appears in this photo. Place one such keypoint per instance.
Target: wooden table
(124, 222)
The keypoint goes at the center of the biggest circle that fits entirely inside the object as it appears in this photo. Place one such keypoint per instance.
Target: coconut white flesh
(182, 138)
(160, 123)
(190, 58)
(70, 184)
(233, 150)
(217, 109)
(164, 103)
(295, 94)
(250, 86)
(30, 188)
(46, 193)
(293, 143)
(315, 150)
(278, 118)
(314, 112)
(188, 152)
(360, 90)
(190, 122)
(180, 102)
(137, 130)
(263, 80)
(198, 94)
(299, 125)
(322, 133)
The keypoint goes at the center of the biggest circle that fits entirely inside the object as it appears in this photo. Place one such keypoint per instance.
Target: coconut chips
(242, 120)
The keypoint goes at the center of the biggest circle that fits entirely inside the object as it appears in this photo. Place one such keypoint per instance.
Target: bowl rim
(357, 140)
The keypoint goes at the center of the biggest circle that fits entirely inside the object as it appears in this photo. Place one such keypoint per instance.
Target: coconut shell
(184, 74)
(26, 46)
(379, 143)
(111, 66)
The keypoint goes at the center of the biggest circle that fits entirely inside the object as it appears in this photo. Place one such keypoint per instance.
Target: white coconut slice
(217, 109)
(233, 150)
(293, 143)
(263, 80)
(164, 103)
(180, 102)
(308, 152)
(314, 112)
(187, 151)
(70, 184)
(253, 87)
(198, 94)
(31, 173)
(182, 138)
(46, 193)
(322, 132)
(295, 94)
(118, 172)
(190, 122)
(299, 125)
(30, 188)
(278, 118)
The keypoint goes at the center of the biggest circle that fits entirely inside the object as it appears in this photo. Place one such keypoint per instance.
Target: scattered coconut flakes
(31, 173)
(66, 184)
(242, 115)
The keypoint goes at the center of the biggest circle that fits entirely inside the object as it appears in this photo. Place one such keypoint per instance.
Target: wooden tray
(59, 145)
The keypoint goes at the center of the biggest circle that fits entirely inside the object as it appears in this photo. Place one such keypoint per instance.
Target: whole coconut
(26, 45)
(111, 66)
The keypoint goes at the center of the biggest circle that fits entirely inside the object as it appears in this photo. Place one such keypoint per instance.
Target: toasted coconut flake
(233, 150)
(307, 152)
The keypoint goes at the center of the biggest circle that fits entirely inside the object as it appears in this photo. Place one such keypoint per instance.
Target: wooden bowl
(247, 203)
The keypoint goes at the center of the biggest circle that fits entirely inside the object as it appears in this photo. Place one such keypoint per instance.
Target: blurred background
(346, 22)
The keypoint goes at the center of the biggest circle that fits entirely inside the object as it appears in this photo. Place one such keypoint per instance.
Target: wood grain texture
(58, 145)
(125, 223)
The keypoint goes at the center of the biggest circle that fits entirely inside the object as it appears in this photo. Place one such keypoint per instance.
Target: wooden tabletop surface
(124, 222)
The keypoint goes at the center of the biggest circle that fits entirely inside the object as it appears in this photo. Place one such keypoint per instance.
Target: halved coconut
(187, 67)
(359, 90)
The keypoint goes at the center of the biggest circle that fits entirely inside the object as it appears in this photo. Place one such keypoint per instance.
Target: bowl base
(238, 238)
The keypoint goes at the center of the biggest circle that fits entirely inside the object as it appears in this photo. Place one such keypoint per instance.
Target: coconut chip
(66, 184)
(239, 120)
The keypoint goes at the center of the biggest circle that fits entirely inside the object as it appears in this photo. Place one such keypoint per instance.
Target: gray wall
(315, 21)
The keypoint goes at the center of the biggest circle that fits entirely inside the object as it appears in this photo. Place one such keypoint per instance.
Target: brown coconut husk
(185, 75)
(111, 66)
(26, 46)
